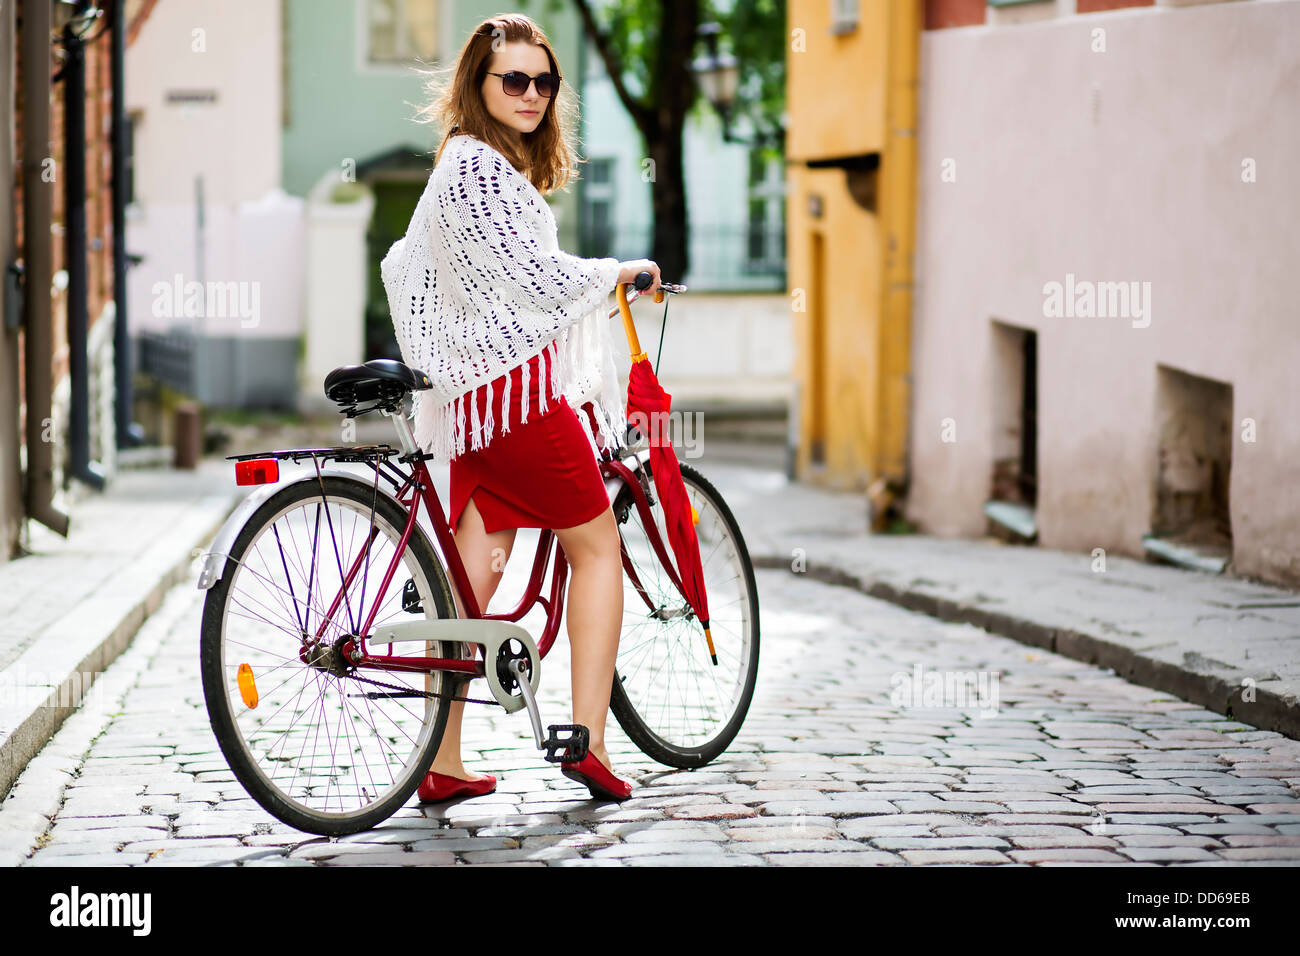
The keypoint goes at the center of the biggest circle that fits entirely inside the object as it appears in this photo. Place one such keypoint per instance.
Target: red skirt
(540, 474)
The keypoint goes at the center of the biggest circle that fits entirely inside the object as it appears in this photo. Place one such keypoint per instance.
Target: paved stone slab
(1160, 840)
(963, 857)
(1062, 842)
(1275, 854)
(939, 843)
(679, 847)
(1066, 855)
(420, 858)
(1170, 854)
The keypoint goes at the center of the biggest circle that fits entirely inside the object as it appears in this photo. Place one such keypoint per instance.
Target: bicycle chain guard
(494, 636)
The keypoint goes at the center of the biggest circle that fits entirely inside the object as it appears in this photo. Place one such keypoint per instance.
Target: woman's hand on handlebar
(633, 268)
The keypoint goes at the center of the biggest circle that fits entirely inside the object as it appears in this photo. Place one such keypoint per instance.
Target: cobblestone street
(832, 767)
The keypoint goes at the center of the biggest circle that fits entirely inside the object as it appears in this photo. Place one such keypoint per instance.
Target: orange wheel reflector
(695, 516)
(257, 471)
(247, 689)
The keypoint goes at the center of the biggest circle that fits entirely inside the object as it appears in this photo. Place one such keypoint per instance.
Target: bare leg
(595, 617)
(485, 557)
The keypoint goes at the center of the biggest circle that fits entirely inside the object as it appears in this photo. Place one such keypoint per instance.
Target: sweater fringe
(475, 429)
(489, 423)
(460, 425)
(523, 389)
(445, 434)
(549, 378)
(505, 404)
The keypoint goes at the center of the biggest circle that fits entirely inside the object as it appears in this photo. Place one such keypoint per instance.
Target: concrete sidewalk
(1215, 641)
(69, 608)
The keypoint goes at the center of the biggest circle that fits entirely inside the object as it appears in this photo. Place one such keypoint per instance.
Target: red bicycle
(331, 645)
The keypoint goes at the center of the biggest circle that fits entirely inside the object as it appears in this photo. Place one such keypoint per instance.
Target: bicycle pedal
(574, 745)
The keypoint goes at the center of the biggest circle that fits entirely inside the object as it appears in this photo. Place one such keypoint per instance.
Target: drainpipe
(74, 178)
(128, 434)
(38, 347)
(898, 228)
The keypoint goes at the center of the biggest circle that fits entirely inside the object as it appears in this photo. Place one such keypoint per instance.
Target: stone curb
(35, 728)
(1269, 710)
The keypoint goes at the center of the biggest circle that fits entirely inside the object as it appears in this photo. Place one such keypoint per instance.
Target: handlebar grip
(642, 281)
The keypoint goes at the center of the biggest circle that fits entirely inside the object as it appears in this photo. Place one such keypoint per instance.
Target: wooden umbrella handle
(629, 329)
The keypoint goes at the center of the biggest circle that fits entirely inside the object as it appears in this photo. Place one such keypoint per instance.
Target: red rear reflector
(257, 471)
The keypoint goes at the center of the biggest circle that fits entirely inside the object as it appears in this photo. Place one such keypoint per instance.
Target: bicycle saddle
(382, 381)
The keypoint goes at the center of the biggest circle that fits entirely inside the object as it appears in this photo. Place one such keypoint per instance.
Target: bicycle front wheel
(310, 738)
(669, 697)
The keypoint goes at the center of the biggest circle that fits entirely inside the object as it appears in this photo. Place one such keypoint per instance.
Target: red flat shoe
(439, 786)
(592, 773)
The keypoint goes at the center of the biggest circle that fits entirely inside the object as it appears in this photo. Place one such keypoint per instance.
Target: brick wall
(940, 14)
(99, 183)
(1095, 6)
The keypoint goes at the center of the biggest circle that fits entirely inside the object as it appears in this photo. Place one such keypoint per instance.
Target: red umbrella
(646, 397)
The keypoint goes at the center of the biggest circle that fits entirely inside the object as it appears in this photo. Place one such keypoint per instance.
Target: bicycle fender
(213, 567)
(612, 485)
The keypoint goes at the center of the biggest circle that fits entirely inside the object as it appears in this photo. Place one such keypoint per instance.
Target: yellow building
(851, 150)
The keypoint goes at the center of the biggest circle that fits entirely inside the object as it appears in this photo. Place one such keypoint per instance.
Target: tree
(647, 48)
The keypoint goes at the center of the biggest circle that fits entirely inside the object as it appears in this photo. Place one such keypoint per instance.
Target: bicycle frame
(418, 487)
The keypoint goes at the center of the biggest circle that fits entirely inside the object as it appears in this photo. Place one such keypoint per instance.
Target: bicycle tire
(642, 697)
(373, 733)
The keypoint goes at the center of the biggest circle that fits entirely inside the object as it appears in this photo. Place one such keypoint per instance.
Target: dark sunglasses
(516, 83)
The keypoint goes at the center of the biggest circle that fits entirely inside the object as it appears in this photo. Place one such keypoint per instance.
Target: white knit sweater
(478, 285)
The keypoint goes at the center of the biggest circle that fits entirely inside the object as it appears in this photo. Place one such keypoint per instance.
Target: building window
(128, 148)
(600, 169)
(598, 203)
(402, 30)
(844, 16)
(765, 225)
(1191, 522)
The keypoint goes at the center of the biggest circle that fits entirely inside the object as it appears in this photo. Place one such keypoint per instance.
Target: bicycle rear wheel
(674, 703)
(312, 743)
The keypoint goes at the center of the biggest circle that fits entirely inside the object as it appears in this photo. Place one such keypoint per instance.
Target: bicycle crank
(579, 737)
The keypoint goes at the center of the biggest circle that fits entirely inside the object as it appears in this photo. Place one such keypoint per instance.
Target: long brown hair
(547, 156)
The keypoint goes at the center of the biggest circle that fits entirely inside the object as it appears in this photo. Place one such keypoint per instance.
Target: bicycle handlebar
(641, 283)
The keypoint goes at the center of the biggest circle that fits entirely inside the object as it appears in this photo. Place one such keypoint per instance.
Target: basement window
(1014, 482)
(1191, 525)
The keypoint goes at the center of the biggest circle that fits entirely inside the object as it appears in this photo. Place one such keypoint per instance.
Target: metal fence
(229, 371)
(169, 358)
(723, 258)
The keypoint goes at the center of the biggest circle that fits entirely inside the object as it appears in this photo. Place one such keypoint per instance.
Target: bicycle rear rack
(343, 453)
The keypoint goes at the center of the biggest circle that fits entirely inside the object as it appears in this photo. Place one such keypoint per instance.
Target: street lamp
(77, 14)
(719, 78)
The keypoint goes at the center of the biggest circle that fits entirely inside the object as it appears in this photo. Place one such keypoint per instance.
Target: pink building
(1106, 343)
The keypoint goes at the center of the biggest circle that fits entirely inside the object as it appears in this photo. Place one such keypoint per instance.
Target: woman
(503, 322)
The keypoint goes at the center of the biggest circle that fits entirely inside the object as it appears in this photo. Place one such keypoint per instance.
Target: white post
(336, 284)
